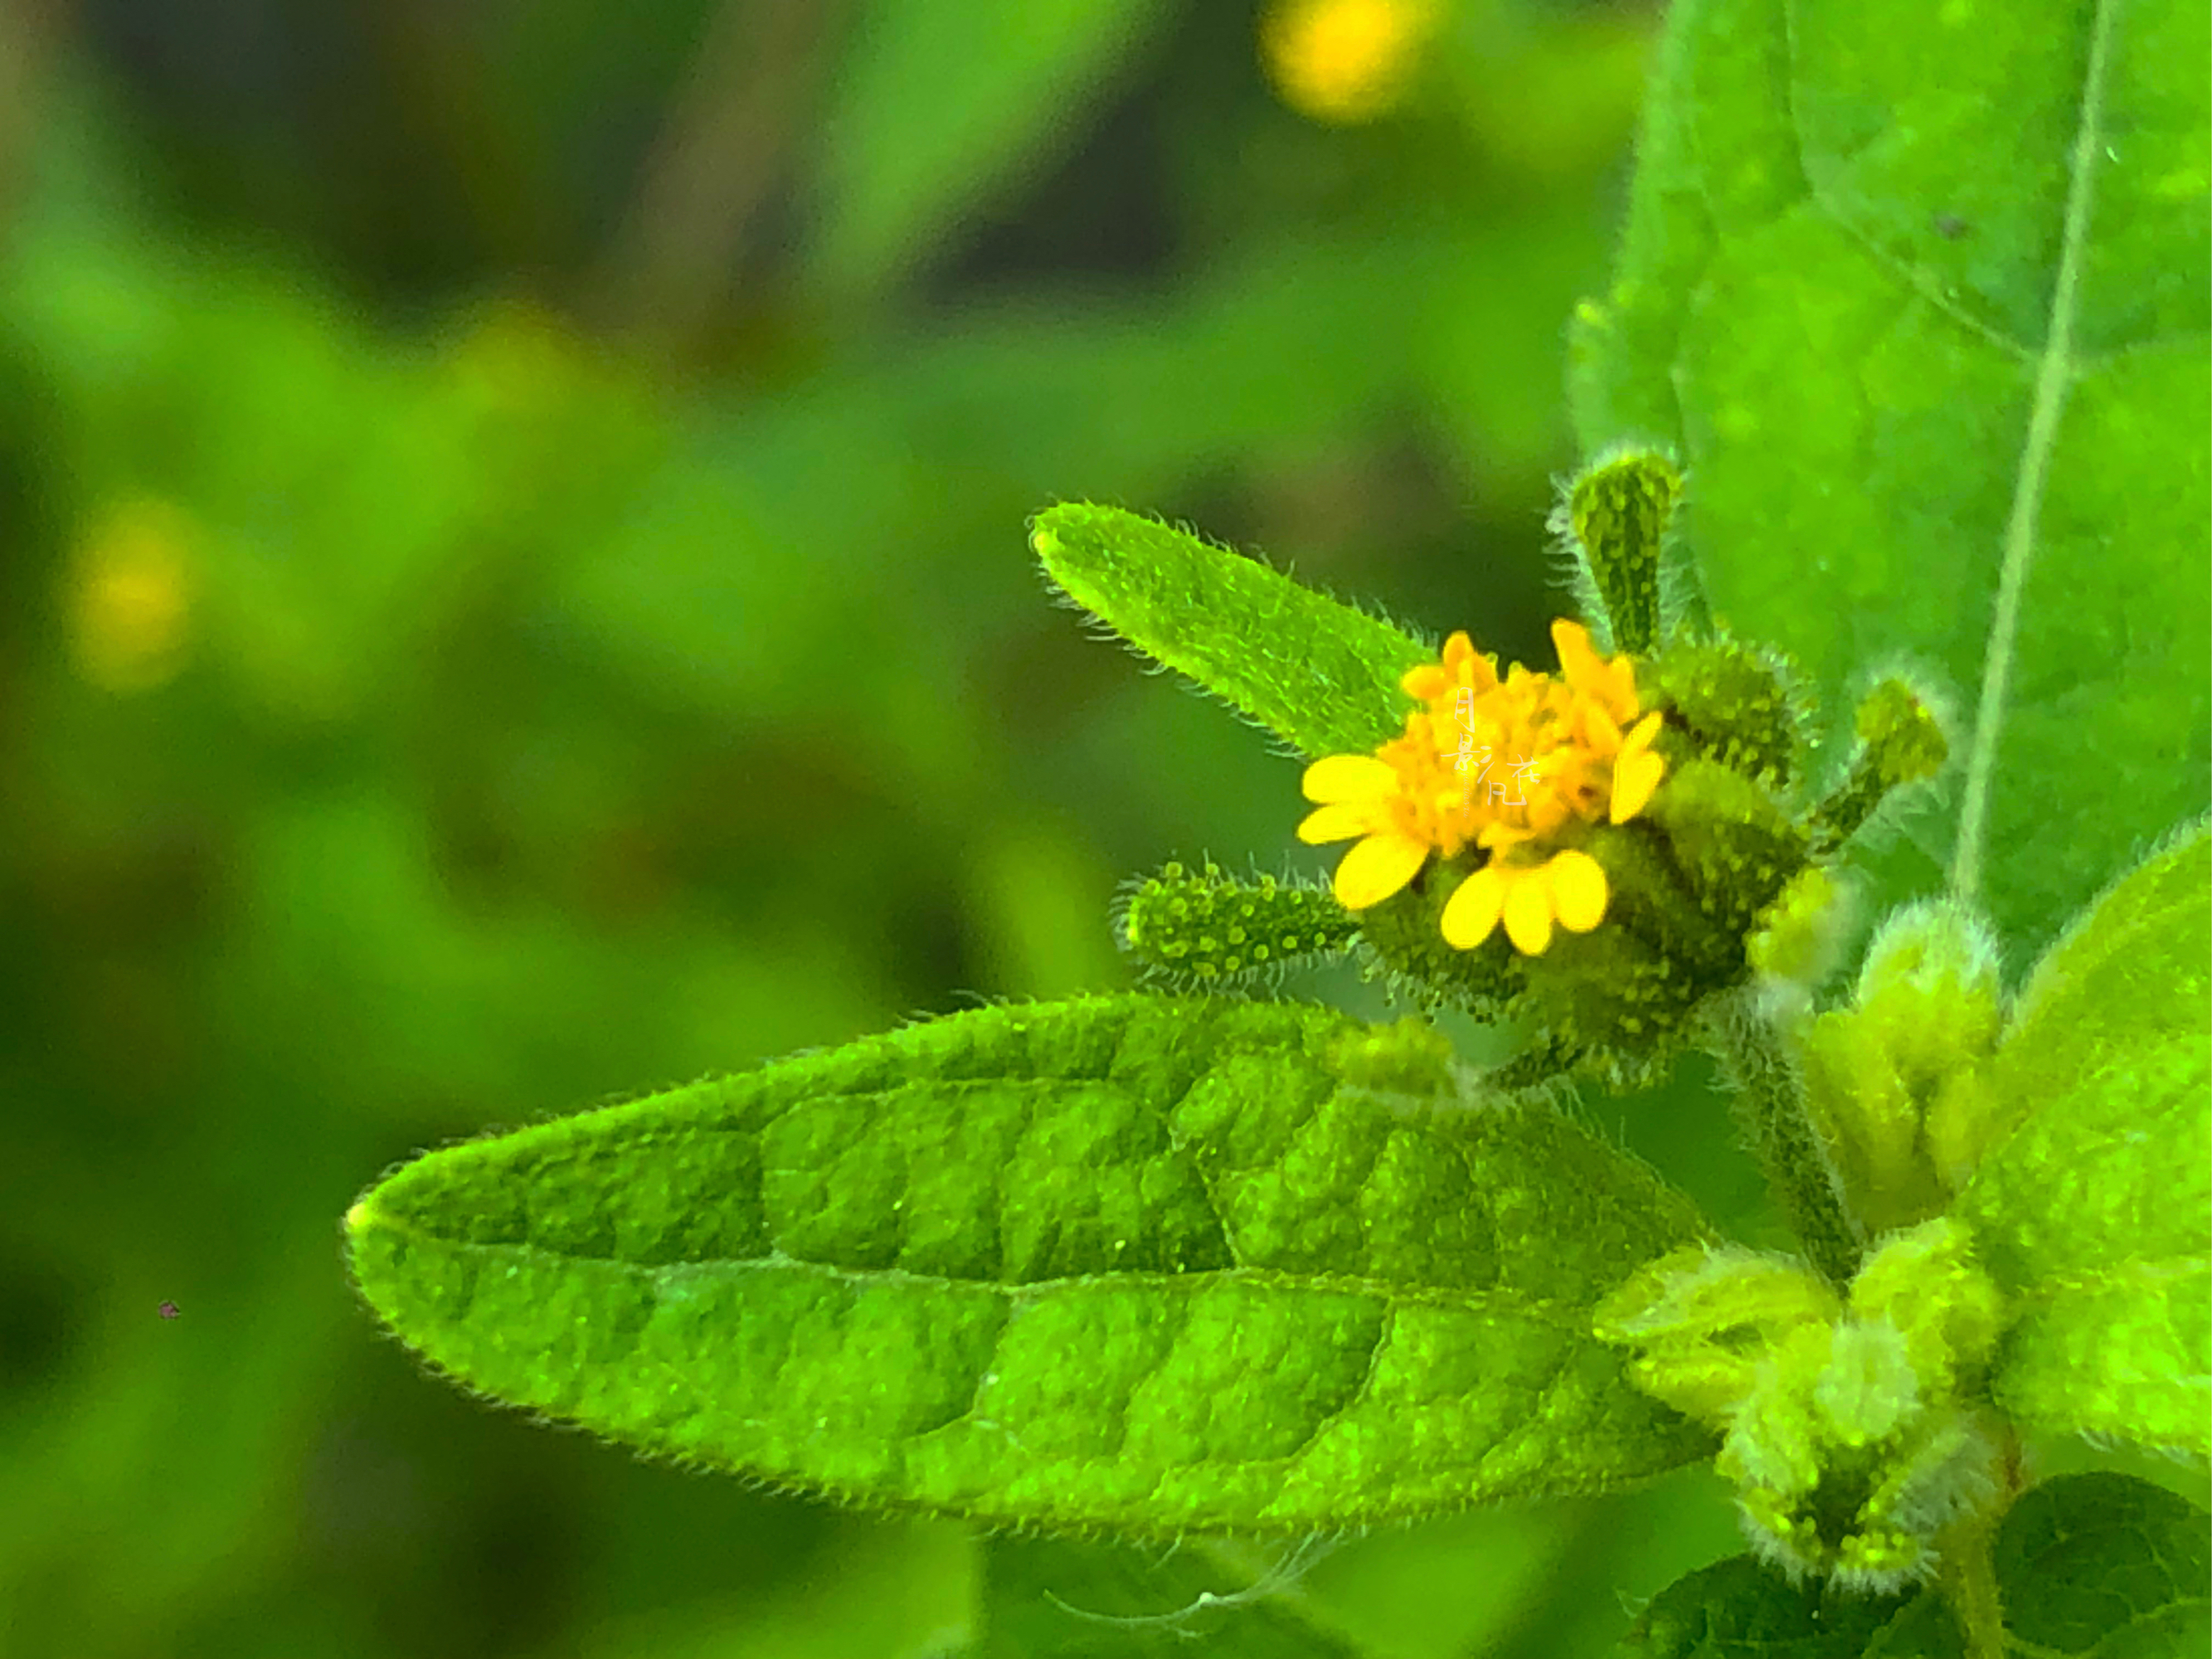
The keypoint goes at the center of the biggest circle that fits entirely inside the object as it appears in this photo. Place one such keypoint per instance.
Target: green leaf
(2108, 1564)
(1318, 673)
(1920, 293)
(2100, 1564)
(1046, 1598)
(938, 106)
(1741, 1609)
(2094, 1213)
(1138, 1263)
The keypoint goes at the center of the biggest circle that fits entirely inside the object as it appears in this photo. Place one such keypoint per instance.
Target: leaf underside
(1144, 1264)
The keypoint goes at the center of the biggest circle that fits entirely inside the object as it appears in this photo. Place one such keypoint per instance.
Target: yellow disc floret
(1506, 766)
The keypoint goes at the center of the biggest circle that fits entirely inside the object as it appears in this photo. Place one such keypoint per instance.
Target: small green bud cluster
(1898, 1085)
(1800, 933)
(1901, 741)
(1206, 931)
(1848, 1425)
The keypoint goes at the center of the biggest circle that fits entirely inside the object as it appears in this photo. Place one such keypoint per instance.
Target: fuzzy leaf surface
(1920, 294)
(2094, 1214)
(2101, 1565)
(1149, 1264)
(1315, 672)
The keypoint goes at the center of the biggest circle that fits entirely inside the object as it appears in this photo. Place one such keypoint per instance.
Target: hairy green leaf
(2095, 1213)
(1150, 1264)
(2100, 1564)
(1315, 672)
(1920, 293)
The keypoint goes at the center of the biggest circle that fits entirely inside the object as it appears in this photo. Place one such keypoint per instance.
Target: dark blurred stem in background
(28, 29)
(668, 269)
(445, 106)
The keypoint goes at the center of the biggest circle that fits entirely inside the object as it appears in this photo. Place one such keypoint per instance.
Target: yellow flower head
(1505, 765)
(131, 594)
(1343, 61)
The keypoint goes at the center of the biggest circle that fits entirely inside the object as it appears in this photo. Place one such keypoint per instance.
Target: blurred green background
(516, 594)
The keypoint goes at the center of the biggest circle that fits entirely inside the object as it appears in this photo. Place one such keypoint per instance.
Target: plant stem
(1770, 1110)
(1970, 1584)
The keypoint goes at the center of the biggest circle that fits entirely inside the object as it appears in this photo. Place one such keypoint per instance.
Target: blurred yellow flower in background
(130, 594)
(1344, 61)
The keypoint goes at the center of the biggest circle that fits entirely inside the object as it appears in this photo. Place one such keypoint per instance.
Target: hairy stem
(1770, 1111)
(1970, 1584)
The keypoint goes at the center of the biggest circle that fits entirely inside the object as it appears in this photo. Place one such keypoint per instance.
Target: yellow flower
(1403, 801)
(1569, 887)
(131, 593)
(1343, 60)
(1561, 738)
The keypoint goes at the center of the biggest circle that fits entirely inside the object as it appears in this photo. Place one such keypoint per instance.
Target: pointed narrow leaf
(2094, 1214)
(1315, 672)
(1152, 1264)
(2102, 1566)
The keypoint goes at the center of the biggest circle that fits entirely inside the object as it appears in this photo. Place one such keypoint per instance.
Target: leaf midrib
(2053, 371)
(1569, 1314)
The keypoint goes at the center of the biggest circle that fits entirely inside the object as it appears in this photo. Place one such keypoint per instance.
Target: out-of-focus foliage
(516, 589)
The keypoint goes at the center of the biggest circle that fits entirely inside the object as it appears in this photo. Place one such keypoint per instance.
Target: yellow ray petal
(1529, 914)
(1601, 731)
(1634, 778)
(1341, 822)
(1377, 867)
(1335, 778)
(1472, 910)
(1578, 890)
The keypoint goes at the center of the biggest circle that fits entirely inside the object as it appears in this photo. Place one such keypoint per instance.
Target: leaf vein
(2054, 369)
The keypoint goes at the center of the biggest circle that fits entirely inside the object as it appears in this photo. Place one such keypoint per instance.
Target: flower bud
(1731, 840)
(1850, 1430)
(1894, 1084)
(1801, 934)
(1902, 741)
(1204, 931)
(1734, 704)
(1613, 522)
